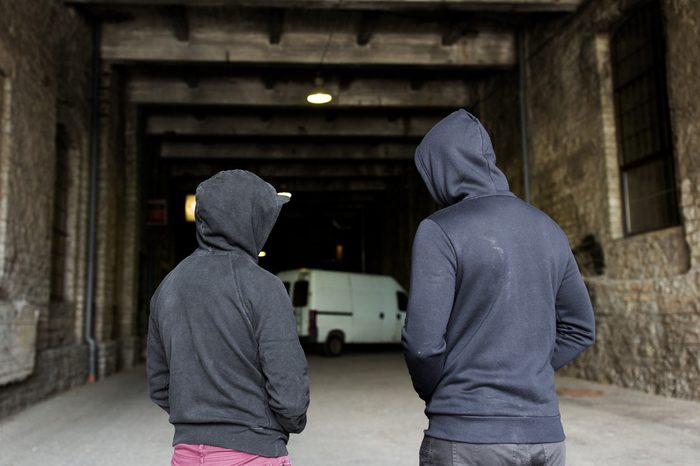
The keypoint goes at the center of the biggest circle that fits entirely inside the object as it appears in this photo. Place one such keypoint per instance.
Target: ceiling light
(318, 94)
(339, 250)
(190, 204)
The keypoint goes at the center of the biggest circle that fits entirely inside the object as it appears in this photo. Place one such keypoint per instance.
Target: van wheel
(334, 345)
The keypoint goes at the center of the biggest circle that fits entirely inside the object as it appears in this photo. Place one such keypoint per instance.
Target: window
(60, 218)
(301, 293)
(645, 153)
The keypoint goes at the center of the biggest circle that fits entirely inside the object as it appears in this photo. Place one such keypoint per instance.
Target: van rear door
(369, 308)
(392, 301)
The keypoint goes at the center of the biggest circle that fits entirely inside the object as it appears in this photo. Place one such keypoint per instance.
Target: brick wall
(498, 110)
(646, 298)
(108, 218)
(44, 65)
(128, 332)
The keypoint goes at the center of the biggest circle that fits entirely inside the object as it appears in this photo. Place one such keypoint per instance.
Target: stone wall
(646, 287)
(498, 109)
(129, 323)
(45, 63)
(44, 69)
(109, 214)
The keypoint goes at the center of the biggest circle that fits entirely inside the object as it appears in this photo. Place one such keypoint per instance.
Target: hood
(236, 209)
(456, 160)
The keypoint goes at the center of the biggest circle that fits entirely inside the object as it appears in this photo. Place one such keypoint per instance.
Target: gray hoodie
(224, 358)
(497, 303)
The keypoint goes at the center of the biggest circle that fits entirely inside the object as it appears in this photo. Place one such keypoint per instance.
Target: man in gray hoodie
(497, 304)
(224, 359)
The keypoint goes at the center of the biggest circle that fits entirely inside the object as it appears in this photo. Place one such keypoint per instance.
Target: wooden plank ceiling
(223, 82)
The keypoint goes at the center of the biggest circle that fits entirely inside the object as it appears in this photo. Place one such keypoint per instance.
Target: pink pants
(196, 455)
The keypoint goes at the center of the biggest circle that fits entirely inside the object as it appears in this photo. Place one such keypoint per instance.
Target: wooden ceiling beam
(275, 25)
(321, 185)
(258, 40)
(181, 24)
(523, 6)
(455, 31)
(345, 187)
(291, 125)
(366, 27)
(251, 91)
(287, 151)
(302, 170)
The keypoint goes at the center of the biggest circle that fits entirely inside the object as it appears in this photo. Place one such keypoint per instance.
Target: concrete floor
(363, 412)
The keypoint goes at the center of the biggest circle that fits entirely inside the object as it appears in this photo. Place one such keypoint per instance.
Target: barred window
(641, 106)
(60, 218)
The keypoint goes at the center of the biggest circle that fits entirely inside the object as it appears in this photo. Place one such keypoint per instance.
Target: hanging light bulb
(318, 94)
(190, 203)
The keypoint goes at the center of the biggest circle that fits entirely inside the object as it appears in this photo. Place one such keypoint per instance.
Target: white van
(336, 308)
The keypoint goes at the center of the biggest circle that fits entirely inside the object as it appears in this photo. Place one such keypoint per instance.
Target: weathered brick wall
(498, 110)
(108, 215)
(646, 298)
(52, 48)
(118, 226)
(128, 334)
(44, 64)
(683, 66)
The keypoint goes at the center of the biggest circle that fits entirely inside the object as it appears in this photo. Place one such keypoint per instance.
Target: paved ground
(363, 412)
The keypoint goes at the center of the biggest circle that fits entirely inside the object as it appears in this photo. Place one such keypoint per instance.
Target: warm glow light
(339, 252)
(190, 204)
(319, 96)
(285, 194)
(262, 254)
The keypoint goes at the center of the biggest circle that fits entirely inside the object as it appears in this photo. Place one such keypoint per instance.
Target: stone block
(18, 325)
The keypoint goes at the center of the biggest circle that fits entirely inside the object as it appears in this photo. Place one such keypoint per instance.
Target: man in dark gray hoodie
(497, 304)
(224, 359)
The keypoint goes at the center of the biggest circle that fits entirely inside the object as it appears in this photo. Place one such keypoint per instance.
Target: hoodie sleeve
(282, 359)
(575, 320)
(433, 274)
(157, 366)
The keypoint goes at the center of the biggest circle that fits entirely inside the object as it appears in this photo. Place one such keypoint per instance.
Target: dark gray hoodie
(224, 358)
(496, 304)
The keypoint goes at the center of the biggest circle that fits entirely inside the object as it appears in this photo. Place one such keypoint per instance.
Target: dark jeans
(436, 452)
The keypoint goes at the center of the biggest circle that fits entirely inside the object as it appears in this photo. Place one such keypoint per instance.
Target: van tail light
(312, 325)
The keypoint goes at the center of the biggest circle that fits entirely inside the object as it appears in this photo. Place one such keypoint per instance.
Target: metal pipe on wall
(92, 202)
